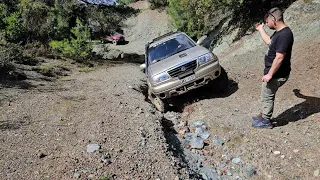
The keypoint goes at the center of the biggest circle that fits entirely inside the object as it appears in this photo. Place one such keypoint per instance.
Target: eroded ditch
(192, 161)
(198, 162)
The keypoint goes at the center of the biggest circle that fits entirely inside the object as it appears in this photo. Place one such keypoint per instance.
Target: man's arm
(274, 67)
(263, 34)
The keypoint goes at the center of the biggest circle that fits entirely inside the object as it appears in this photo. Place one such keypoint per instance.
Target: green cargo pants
(268, 93)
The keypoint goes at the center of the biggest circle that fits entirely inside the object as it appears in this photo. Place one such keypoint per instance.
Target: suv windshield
(168, 48)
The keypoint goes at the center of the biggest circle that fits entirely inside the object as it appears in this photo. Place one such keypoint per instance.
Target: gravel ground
(46, 131)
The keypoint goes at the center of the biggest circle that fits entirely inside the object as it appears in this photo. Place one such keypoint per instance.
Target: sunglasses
(270, 14)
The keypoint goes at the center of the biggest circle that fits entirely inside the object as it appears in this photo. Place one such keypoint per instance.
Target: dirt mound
(290, 149)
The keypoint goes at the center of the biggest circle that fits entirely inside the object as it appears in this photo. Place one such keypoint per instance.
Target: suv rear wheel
(157, 101)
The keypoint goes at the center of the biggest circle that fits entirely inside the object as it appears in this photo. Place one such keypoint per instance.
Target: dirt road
(45, 130)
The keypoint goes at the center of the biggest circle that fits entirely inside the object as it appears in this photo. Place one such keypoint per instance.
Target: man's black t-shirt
(281, 41)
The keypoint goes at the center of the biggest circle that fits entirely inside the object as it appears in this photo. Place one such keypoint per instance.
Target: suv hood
(165, 64)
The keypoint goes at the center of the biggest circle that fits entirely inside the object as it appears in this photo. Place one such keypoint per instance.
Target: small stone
(197, 143)
(91, 176)
(204, 176)
(316, 172)
(199, 131)
(187, 129)
(189, 136)
(182, 131)
(282, 156)
(105, 158)
(92, 148)
(222, 165)
(76, 175)
(218, 142)
(249, 171)
(176, 178)
(196, 124)
(236, 160)
(296, 150)
(172, 116)
(219, 172)
(182, 124)
(229, 172)
(277, 152)
(42, 155)
(205, 152)
(205, 135)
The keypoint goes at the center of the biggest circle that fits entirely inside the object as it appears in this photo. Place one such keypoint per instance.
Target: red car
(115, 38)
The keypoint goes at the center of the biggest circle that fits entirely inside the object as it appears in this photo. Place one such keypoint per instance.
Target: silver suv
(175, 64)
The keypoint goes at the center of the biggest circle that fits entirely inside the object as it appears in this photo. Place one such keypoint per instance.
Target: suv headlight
(160, 77)
(206, 58)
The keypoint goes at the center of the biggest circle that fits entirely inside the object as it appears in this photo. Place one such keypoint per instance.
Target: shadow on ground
(178, 103)
(175, 146)
(15, 84)
(123, 43)
(301, 111)
(13, 125)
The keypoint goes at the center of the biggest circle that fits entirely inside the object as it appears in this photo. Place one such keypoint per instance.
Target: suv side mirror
(200, 40)
(143, 67)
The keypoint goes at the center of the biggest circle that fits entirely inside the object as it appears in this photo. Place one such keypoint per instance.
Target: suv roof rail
(165, 35)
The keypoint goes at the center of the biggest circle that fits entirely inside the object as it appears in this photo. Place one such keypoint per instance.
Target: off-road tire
(157, 102)
(115, 42)
(220, 84)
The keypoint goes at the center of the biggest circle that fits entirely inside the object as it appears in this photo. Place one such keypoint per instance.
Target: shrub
(14, 30)
(77, 47)
(154, 4)
(10, 53)
(123, 2)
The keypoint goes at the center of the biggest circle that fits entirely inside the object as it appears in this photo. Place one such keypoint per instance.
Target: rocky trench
(193, 146)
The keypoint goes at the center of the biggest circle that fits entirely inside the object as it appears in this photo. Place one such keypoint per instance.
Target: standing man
(277, 64)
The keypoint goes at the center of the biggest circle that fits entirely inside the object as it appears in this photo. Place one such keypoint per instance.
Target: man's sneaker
(262, 124)
(258, 117)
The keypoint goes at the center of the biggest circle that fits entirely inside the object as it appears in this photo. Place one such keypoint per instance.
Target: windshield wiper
(157, 60)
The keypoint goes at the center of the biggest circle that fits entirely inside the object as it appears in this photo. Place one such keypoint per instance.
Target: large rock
(197, 143)
(196, 124)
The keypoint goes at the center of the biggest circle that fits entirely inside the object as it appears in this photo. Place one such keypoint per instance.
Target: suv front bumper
(175, 86)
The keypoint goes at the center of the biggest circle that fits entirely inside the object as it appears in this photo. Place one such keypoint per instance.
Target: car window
(168, 48)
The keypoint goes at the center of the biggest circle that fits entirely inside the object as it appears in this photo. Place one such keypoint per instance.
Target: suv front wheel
(157, 101)
(220, 84)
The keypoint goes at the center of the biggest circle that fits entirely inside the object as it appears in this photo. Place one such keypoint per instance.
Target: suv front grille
(190, 66)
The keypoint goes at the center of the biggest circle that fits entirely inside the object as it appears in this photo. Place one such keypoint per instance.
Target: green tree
(14, 28)
(34, 16)
(157, 3)
(78, 45)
